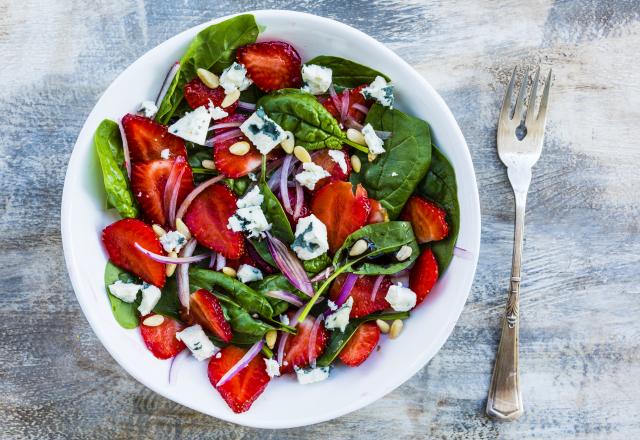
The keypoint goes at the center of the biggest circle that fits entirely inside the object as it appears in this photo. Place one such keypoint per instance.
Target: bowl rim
(245, 418)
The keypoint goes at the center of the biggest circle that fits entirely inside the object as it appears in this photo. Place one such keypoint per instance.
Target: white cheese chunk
(173, 241)
(250, 220)
(235, 78)
(272, 367)
(311, 174)
(340, 318)
(216, 112)
(150, 297)
(148, 109)
(310, 238)
(127, 292)
(165, 154)
(284, 319)
(263, 131)
(379, 90)
(317, 79)
(252, 198)
(339, 157)
(198, 342)
(372, 140)
(193, 126)
(401, 298)
(247, 273)
(311, 375)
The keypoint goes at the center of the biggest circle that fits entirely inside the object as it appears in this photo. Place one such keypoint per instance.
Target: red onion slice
(183, 273)
(311, 348)
(361, 108)
(344, 110)
(346, 289)
(125, 149)
(167, 83)
(260, 262)
(334, 97)
(352, 123)
(221, 262)
(285, 296)
(247, 106)
(193, 194)
(376, 287)
(243, 362)
(174, 198)
(289, 265)
(223, 125)
(284, 336)
(171, 188)
(323, 275)
(230, 134)
(170, 260)
(299, 199)
(284, 191)
(212, 261)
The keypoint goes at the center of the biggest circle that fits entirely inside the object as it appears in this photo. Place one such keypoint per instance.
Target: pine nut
(153, 320)
(240, 148)
(372, 157)
(229, 271)
(396, 328)
(183, 229)
(302, 154)
(358, 248)
(230, 98)
(209, 79)
(208, 164)
(288, 143)
(159, 230)
(383, 326)
(355, 136)
(356, 164)
(270, 338)
(171, 268)
(403, 253)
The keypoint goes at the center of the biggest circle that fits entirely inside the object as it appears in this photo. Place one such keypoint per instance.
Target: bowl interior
(285, 403)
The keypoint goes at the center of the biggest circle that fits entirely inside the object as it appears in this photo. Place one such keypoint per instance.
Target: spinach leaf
(239, 185)
(126, 314)
(384, 239)
(316, 264)
(440, 186)
(277, 282)
(300, 113)
(339, 339)
(273, 211)
(213, 49)
(169, 303)
(393, 176)
(114, 174)
(251, 95)
(263, 250)
(347, 73)
(240, 320)
(245, 296)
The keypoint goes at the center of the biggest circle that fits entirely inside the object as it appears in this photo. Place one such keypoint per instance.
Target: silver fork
(520, 139)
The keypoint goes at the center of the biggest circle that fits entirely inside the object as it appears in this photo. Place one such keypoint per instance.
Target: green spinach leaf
(126, 314)
(239, 185)
(277, 282)
(169, 303)
(240, 320)
(213, 49)
(108, 145)
(393, 176)
(347, 73)
(316, 264)
(273, 211)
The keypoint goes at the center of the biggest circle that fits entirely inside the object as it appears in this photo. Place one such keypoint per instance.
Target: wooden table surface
(580, 337)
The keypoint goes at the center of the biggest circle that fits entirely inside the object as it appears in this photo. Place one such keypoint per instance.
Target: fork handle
(505, 397)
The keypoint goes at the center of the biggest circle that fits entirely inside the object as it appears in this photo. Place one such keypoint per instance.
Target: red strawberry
(232, 165)
(272, 65)
(207, 218)
(147, 139)
(428, 219)
(355, 97)
(161, 339)
(325, 160)
(378, 213)
(361, 293)
(424, 275)
(243, 388)
(207, 312)
(293, 199)
(148, 182)
(196, 93)
(342, 211)
(361, 344)
(296, 350)
(119, 239)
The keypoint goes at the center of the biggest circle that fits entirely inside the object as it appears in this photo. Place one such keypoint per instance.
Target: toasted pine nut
(183, 229)
(230, 98)
(240, 148)
(209, 79)
(159, 230)
(356, 164)
(358, 248)
(171, 268)
(302, 154)
(372, 157)
(153, 320)
(288, 143)
(229, 271)
(396, 328)
(270, 338)
(355, 136)
(383, 326)
(208, 164)
(403, 253)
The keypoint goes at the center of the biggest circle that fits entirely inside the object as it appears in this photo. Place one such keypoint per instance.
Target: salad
(278, 216)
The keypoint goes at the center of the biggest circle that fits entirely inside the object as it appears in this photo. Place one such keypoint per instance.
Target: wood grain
(580, 339)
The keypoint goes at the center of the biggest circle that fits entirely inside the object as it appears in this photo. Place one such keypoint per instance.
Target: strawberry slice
(161, 339)
(244, 388)
(423, 275)
(428, 219)
(296, 349)
(355, 97)
(196, 93)
(378, 213)
(324, 158)
(207, 312)
(119, 239)
(293, 199)
(361, 344)
(207, 218)
(363, 304)
(272, 65)
(234, 166)
(341, 210)
(147, 139)
(148, 182)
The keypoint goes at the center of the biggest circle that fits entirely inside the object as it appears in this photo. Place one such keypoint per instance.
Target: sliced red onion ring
(212, 261)
(167, 83)
(299, 199)
(361, 108)
(462, 253)
(274, 180)
(174, 198)
(284, 336)
(344, 110)
(230, 134)
(243, 362)
(255, 256)
(171, 188)
(334, 97)
(193, 194)
(346, 289)
(376, 287)
(247, 106)
(352, 123)
(311, 348)
(323, 275)
(285, 296)
(289, 265)
(221, 262)
(125, 149)
(183, 273)
(223, 125)
(284, 191)
(170, 260)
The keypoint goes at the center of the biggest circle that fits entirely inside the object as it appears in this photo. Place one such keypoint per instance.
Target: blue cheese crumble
(311, 175)
(339, 157)
(340, 318)
(235, 78)
(148, 109)
(372, 140)
(263, 131)
(401, 298)
(127, 292)
(311, 375)
(317, 79)
(193, 126)
(380, 90)
(173, 241)
(150, 298)
(197, 342)
(252, 198)
(247, 273)
(249, 216)
(310, 238)
(272, 367)
(216, 112)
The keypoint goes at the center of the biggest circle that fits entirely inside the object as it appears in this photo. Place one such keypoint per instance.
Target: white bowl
(284, 404)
